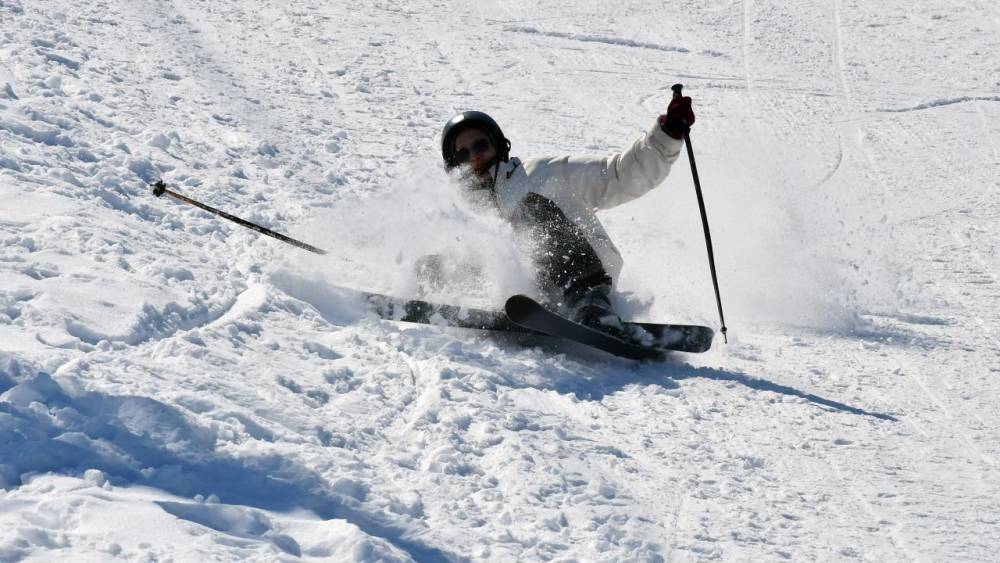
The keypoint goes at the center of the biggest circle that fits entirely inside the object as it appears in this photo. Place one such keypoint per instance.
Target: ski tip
(518, 302)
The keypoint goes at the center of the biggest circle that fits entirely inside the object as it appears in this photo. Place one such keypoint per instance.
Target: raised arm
(605, 182)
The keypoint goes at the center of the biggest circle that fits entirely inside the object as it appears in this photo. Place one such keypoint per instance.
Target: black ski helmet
(472, 119)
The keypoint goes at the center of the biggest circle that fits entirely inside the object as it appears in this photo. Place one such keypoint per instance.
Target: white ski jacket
(582, 185)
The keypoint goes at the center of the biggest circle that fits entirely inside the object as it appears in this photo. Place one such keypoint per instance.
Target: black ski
(527, 312)
(668, 337)
(425, 312)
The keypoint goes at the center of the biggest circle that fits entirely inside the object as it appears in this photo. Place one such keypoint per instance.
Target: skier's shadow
(765, 385)
(600, 383)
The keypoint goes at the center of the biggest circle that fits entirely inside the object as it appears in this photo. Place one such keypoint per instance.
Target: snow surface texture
(175, 387)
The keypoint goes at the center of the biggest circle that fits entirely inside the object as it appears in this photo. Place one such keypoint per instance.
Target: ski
(425, 312)
(667, 337)
(526, 312)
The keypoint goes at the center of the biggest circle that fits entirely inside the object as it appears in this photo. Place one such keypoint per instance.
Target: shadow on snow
(597, 383)
(138, 440)
(759, 384)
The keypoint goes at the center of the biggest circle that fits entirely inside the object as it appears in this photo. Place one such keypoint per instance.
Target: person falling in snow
(554, 199)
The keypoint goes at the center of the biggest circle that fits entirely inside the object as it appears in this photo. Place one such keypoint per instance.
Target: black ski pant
(568, 265)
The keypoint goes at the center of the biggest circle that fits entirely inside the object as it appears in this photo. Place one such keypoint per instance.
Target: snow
(173, 386)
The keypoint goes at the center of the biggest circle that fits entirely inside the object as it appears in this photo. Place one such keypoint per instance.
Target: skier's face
(473, 146)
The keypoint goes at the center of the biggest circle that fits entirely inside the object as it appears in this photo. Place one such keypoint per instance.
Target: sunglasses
(478, 147)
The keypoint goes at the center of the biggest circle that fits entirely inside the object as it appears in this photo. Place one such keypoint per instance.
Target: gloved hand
(679, 117)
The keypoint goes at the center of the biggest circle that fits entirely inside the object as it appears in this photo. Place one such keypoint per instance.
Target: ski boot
(592, 308)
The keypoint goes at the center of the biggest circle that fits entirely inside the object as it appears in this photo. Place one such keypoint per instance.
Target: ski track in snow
(175, 387)
(942, 102)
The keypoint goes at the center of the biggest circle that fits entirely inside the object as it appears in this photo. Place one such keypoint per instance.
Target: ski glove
(679, 117)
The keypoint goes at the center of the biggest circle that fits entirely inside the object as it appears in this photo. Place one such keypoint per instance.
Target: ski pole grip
(678, 95)
(159, 188)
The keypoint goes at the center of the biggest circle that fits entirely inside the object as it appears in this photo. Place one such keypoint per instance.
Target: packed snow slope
(174, 387)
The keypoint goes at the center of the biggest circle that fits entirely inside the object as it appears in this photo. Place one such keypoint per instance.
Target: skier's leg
(568, 267)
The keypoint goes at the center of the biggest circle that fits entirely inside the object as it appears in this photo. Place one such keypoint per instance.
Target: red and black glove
(679, 117)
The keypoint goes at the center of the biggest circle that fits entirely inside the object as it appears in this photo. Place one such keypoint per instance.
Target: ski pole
(160, 188)
(704, 216)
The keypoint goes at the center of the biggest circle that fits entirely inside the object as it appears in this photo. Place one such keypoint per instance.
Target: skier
(554, 199)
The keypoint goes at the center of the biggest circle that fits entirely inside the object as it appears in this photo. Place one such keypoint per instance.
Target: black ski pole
(704, 216)
(160, 188)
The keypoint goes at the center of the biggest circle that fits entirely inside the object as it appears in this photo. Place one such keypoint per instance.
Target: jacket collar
(506, 170)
